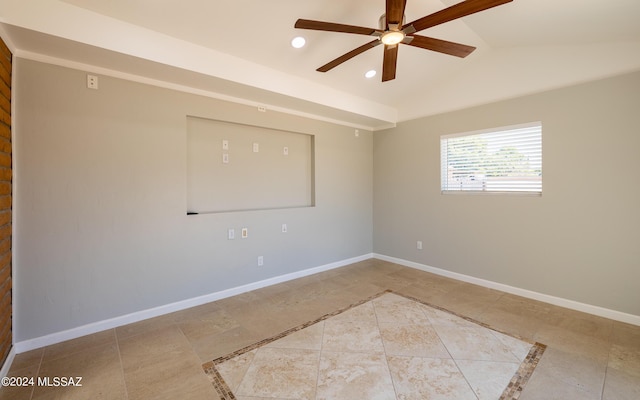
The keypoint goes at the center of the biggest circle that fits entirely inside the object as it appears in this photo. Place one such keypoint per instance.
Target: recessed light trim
(370, 74)
(298, 42)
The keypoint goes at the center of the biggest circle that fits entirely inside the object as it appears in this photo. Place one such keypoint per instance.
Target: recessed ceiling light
(298, 42)
(370, 74)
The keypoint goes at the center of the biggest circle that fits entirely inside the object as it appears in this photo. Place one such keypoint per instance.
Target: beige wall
(580, 240)
(101, 229)
(101, 224)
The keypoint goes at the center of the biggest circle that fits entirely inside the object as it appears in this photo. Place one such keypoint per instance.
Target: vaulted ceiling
(240, 50)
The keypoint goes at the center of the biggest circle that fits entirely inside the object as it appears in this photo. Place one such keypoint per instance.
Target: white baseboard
(558, 301)
(111, 323)
(7, 363)
(57, 337)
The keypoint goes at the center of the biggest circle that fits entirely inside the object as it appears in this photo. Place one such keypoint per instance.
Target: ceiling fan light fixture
(298, 42)
(392, 37)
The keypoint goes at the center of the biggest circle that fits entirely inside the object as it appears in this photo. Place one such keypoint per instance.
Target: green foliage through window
(503, 160)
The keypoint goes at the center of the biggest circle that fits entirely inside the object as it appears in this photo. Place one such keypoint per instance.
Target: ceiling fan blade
(441, 46)
(390, 62)
(456, 11)
(332, 64)
(332, 27)
(395, 11)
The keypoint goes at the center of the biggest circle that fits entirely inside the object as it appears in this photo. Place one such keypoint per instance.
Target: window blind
(505, 160)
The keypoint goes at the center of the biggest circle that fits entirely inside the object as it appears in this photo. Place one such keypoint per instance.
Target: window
(504, 160)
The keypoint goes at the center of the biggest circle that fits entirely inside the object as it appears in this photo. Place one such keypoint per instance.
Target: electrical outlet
(284, 228)
(245, 233)
(225, 158)
(92, 82)
(285, 151)
(260, 261)
(231, 234)
(419, 244)
(225, 144)
(256, 147)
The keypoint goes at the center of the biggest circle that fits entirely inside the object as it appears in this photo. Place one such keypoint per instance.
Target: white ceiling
(240, 50)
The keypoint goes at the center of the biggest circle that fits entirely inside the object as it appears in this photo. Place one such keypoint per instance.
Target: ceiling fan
(394, 31)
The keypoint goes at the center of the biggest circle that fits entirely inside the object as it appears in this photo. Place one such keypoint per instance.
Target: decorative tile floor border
(511, 392)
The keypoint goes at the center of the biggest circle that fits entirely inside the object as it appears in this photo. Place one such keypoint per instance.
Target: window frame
(445, 170)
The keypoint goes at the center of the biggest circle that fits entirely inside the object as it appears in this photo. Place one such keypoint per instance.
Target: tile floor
(587, 357)
(388, 347)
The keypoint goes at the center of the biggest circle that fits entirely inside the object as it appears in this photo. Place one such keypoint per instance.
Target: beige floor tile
(444, 318)
(285, 373)
(516, 323)
(234, 301)
(625, 358)
(98, 367)
(158, 347)
(309, 338)
(356, 293)
(587, 325)
(351, 336)
(626, 335)
(209, 323)
(543, 386)
(581, 373)
(571, 342)
(262, 318)
(144, 327)
(431, 291)
(210, 347)
(82, 343)
(162, 365)
(488, 379)
(468, 300)
(622, 379)
(27, 359)
(441, 379)
(178, 379)
(234, 370)
(621, 385)
(348, 376)
(392, 308)
(419, 340)
(473, 343)
(525, 314)
(364, 313)
(391, 281)
(518, 348)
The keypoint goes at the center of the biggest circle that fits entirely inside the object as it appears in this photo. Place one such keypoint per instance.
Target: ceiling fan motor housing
(382, 22)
